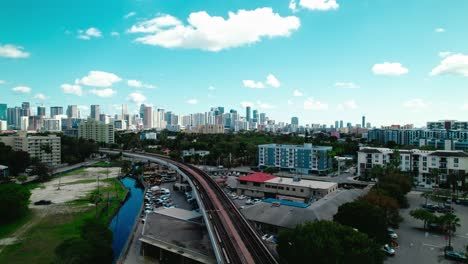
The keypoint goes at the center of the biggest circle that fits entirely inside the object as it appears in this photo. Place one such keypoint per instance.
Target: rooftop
(178, 213)
(302, 183)
(257, 177)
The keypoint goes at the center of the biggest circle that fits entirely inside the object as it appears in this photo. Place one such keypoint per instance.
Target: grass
(40, 241)
(6, 230)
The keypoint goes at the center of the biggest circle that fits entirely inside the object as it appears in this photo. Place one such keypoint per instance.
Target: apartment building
(46, 149)
(97, 131)
(417, 161)
(262, 185)
(295, 158)
(209, 129)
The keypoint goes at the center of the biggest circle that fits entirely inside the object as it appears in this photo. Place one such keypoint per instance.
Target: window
(302, 190)
(455, 160)
(287, 188)
(294, 189)
(256, 184)
(243, 182)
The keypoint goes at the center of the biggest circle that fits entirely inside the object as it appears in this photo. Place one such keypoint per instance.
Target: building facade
(97, 131)
(46, 149)
(295, 158)
(422, 164)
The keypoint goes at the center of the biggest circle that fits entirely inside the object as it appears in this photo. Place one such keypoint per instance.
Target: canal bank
(123, 223)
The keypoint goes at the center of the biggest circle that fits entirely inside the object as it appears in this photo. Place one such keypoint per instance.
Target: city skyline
(293, 65)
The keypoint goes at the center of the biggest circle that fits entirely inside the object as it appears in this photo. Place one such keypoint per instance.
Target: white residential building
(52, 125)
(420, 162)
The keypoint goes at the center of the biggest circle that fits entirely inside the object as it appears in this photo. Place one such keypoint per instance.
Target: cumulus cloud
(273, 81)
(137, 98)
(21, 89)
(253, 84)
(214, 33)
(456, 64)
(389, 69)
(416, 104)
(439, 30)
(444, 54)
(130, 14)
(72, 89)
(297, 93)
(192, 101)
(346, 85)
(105, 93)
(312, 104)
(293, 5)
(348, 105)
(139, 84)
(211, 88)
(115, 34)
(91, 32)
(12, 51)
(321, 5)
(99, 79)
(40, 96)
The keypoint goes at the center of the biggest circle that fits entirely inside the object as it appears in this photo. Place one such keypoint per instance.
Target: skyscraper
(336, 124)
(247, 112)
(41, 111)
(363, 124)
(56, 110)
(95, 112)
(26, 109)
(295, 120)
(255, 116)
(262, 118)
(148, 117)
(14, 117)
(124, 110)
(341, 123)
(142, 111)
(72, 111)
(3, 112)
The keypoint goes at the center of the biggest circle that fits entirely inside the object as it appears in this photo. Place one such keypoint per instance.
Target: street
(419, 246)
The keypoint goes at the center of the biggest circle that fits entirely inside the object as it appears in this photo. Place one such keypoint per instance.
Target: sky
(394, 61)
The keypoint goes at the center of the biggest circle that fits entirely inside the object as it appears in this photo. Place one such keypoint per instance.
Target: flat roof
(302, 183)
(288, 203)
(178, 213)
(257, 177)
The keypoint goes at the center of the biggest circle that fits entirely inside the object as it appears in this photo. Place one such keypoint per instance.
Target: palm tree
(450, 222)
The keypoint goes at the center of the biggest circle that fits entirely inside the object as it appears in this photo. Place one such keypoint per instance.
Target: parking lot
(419, 246)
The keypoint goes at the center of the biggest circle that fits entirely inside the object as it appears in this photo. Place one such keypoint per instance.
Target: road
(419, 246)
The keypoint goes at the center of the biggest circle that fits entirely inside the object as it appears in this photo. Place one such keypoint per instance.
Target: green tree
(271, 170)
(326, 242)
(365, 217)
(450, 222)
(388, 204)
(42, 170)
(423, 215)
(14, 201)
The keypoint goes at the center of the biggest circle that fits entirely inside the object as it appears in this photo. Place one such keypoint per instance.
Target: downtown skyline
(392, 61)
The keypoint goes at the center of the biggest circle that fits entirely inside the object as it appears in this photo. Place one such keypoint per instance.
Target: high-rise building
(41, 111)
(363, 124)
(341, 123)
(247, 113)
(142, 111)
(3, 112)
(26, 109)
(97, 131)
(337, 124)
(24, 123)
(72, 111)
(95, 112)
(255, 116)
(148, 117)
(14, 117)
(52, 125)
(262, 118)
(55, 111)
(295, 121)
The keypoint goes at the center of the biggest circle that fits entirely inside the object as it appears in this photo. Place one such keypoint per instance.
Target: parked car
(242, 197)
(249, 202)
(457, 256)
(391, 233)
(388, 250)
(266, 237)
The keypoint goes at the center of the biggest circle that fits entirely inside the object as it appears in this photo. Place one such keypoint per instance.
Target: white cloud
(21, 89)
(72, 89)
(99, 79)
(214, 33)
(312, 104)
(273, 81)
(40, 96)
(245, 104)
(293, 5)
(444, 54)
(348, 105)
(456, 64)
(139, 84)
(211, 88)
(439, 30)
(105, 93)
(89, 33)
(297, 93)
(253, 84)
(130, 14)
(115, 34)
(2, 82)
(416, 103)
(12, 51)
(192, 101)
(137, 97)
(346, 85)
(321, 5)
(389, 69)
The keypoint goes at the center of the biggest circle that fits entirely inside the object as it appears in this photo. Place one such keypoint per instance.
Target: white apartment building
(46, 149)
(97, 131)
(52, 125)
(3, 125)
(421, 161)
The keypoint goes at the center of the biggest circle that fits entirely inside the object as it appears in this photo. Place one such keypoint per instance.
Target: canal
(122, 223)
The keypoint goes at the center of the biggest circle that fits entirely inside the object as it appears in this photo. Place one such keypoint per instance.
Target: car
(234, 197)
(256, 200)
(457, 256)
(148, 211)
(391, 233)
(43, 202)
(265, 237)
(241, 197)
(249, 202)
(388, 250)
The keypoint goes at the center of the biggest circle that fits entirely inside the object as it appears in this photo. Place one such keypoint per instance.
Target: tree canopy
(14, 201)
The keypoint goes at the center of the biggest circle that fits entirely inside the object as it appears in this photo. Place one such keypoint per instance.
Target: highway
(234, 239)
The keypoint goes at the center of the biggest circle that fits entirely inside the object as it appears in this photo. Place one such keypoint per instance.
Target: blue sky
(321, 60)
